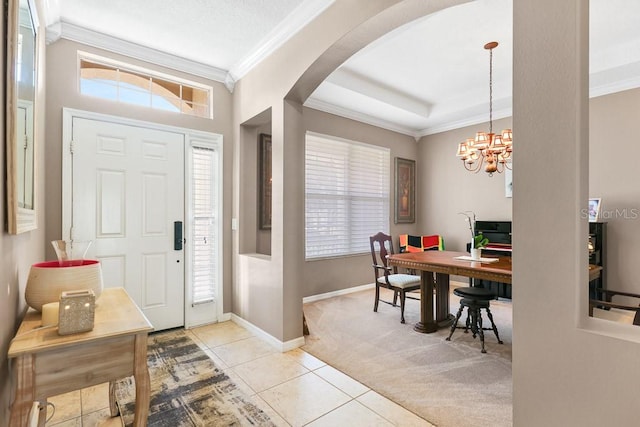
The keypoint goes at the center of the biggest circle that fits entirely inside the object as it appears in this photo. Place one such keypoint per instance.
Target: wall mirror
(22, 72)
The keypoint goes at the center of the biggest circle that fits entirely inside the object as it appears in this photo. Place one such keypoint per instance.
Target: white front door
(128, 197)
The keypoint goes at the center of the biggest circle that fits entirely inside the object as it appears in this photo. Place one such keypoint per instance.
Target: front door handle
(177, 235)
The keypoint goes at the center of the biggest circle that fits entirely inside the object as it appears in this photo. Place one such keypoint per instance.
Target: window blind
(346, 195)
(204, 224)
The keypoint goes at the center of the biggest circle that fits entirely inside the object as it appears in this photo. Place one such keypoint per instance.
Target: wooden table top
(115, 315)
(445, 262)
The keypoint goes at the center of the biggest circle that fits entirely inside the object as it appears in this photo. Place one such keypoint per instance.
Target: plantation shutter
(205, 224)
(346, 195)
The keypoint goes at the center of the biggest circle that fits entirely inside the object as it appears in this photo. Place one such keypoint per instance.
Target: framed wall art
(264, 182)
(405, 191)
(594, 209)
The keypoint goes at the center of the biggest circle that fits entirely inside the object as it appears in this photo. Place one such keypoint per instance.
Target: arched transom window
(118, 82)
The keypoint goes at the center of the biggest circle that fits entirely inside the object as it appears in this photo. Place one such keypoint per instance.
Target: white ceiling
(428, 76)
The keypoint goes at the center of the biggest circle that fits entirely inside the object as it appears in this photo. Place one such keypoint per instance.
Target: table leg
(444, 317)
(42, 418)
(113, 403)
(427, 322)
(25, 390)
(143, 384)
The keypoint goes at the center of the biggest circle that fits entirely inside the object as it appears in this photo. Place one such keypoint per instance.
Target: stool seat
(474, 293)
(475, 299)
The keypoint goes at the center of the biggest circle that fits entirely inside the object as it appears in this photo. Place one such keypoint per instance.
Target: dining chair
(621, 311)
(388, 277)
(411, 243)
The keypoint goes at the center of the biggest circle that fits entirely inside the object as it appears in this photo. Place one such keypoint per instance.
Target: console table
(44, 363)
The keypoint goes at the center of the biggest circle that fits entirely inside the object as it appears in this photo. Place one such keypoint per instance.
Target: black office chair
(475, 299)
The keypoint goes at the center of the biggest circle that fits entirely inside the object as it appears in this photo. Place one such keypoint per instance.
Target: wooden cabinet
(598, 254)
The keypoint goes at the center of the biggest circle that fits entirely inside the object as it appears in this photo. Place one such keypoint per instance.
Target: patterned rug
(187, 389)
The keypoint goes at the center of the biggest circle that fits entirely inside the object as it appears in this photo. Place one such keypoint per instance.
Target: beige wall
(555, 382)
(282, 82)
(63, 92)
(560, 359)
(448, 188)
(20, 251)
(566, 371)
(613, 176)
(321, 276)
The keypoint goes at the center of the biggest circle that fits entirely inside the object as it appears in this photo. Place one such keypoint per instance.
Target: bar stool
(475, 299)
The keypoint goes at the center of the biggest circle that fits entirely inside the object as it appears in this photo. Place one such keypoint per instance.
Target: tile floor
(294, 388)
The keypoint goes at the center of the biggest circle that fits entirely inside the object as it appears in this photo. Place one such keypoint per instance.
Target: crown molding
(619, 86)
(613, 87)
(93, 38)
(53, 33)
(444, 126)
(467, 121)
(363, 85)
(294, 22)
(360, 117)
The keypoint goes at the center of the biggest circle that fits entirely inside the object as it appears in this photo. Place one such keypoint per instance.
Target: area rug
(448, 383)
(187, 389)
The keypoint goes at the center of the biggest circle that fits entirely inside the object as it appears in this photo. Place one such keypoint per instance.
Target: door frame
(192, 317)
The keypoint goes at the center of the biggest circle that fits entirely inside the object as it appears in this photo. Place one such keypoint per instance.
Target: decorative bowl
(47, 280)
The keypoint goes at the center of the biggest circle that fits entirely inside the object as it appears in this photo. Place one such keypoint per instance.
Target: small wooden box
(76, 312)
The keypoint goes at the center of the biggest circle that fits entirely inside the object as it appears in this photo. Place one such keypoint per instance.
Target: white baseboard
(332, 294)
(279, 345)
(299, 342)
(313, 298)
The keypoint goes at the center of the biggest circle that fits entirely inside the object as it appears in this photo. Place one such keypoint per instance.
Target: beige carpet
(449, 383)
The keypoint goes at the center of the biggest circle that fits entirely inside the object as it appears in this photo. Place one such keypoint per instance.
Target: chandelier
(492, 150)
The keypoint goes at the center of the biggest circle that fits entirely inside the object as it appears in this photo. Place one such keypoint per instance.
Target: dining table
(436, 267)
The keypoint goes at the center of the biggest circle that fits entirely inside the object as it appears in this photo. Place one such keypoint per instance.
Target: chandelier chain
(490, 90)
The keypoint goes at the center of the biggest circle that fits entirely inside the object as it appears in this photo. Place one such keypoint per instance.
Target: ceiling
(428, 76)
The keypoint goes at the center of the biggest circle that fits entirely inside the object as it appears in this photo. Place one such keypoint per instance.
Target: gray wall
(62, 73)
